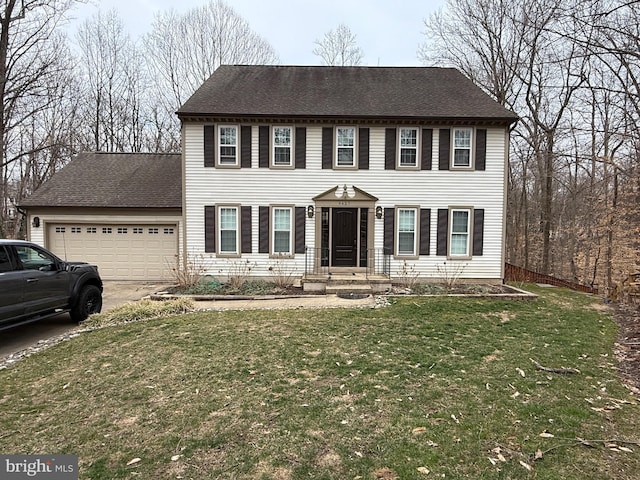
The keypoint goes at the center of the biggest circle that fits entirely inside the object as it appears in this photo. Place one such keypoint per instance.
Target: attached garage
(121, 212)
(121, 251)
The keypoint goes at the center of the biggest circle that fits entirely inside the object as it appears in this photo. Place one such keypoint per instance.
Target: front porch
(319, 277)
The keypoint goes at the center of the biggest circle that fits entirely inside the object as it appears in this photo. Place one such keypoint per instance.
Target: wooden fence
(513, 273)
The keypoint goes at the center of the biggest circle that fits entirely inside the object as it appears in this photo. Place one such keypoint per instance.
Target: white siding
(432, 189)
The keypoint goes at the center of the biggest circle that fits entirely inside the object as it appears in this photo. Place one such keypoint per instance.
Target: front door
(345, 237)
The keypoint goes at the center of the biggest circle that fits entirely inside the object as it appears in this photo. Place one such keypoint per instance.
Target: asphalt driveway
(115, 293)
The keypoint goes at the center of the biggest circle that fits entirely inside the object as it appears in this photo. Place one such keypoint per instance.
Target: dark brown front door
(345, 239)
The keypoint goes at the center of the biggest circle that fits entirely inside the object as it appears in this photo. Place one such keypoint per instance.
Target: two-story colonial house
(322, 170)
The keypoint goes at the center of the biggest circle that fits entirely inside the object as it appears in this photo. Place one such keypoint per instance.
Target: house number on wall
(344, 203)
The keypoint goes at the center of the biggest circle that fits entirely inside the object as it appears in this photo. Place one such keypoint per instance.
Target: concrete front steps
(346, 283)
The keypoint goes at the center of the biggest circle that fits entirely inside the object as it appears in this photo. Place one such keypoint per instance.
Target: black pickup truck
(35, 284)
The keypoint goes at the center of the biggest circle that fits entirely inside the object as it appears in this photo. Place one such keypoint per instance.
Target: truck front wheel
(89, 302)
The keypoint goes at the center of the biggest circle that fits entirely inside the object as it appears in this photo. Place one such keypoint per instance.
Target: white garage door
(122, 252)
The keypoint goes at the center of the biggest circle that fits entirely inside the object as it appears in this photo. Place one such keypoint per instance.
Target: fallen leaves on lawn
(618, 448)
(526, 465)
(499, 457)
(385, 474)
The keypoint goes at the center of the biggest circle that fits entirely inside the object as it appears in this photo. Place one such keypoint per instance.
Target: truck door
(12, 287)
(46, 285)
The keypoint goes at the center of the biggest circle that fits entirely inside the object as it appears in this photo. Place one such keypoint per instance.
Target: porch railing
(378, 261)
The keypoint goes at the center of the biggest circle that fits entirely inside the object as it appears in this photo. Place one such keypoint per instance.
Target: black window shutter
(209, 145)
(209, 229)
(427, 148)
(478, 231)
(327, 147)
(389, 218)
(263, 231)
(363, 149)
(425, 230)
(245, 229)
(443, 232)
(390, 149)
(301, 147)
(481, 148)
(245, 146)
(300, 233)
(444, 149)
(263, 146)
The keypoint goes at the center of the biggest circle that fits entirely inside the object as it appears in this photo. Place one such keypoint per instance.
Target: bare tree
(183, 50)
(570, 70)
(339, 48)
(33, 57)
(113, 73)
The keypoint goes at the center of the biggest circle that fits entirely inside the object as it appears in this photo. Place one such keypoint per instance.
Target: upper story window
(282, 146)
(460, 233)
(228, 145)
(407, 231)
(408, 145)
(228, 230)
(462, 141)
(346, 146)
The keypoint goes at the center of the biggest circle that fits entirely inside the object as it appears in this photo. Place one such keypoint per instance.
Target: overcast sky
(389, 32)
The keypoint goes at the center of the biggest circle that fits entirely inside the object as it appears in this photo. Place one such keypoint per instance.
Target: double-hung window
(282, 229)
(346, 146)
(462, 141)
(228, 230)
(407, 231)
(227, 145)
(282, 145)
(460, 233)
(408, 145)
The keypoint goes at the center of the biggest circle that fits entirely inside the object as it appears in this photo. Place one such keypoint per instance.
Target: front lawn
(426, 388)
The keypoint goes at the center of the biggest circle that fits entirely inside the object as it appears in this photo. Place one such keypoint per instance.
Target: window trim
(219, 145)
(469, 243)
(354, 148)
(416, 229)
(272, 231)
(219, 251)
(272, 148)
(399, 149)
(472, 140)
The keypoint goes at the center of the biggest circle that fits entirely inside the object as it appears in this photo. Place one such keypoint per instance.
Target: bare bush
(238, 272)
(190, 271)
(449, 275)
(407, 276)
(282, 274)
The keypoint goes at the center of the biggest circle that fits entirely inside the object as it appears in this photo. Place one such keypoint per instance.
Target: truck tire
(89, 302)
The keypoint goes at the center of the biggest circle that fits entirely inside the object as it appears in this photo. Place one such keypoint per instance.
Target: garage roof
(116, 180)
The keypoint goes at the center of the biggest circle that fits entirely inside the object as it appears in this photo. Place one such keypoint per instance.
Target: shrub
(141, 310)
(189, 272)
(282, 274)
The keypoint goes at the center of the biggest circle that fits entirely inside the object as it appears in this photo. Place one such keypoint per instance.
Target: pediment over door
(345, 192)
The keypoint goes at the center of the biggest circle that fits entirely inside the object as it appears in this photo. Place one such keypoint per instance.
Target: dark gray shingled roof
(118, 180)
(356, 92)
